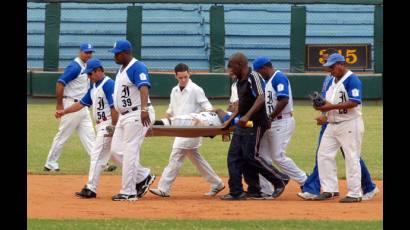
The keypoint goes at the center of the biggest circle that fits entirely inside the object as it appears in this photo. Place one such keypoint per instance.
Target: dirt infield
(51, 197)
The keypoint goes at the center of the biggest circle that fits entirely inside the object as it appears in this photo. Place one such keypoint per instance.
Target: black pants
(244, 159)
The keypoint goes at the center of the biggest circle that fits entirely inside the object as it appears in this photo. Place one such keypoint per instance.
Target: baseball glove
(110, 131)
(317, 99)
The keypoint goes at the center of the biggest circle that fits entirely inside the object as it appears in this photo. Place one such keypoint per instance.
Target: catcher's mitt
(317, 99)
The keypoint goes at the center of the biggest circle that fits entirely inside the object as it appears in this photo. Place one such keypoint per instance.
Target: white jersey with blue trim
(101, 106)
(126, 93)
(347, 88)
(278, 85)
(77, 87)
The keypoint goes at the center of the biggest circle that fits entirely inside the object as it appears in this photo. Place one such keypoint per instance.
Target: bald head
(238, 64)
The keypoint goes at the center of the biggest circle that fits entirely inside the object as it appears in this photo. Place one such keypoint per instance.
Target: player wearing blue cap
(70, 88)
(345, 129)
(279, 108)
(311, 188)
(99, 96)
(132, 102)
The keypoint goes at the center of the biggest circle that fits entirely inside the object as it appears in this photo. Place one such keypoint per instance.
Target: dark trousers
(244, 159)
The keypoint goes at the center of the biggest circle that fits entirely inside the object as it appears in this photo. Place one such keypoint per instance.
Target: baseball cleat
(279, 189)
(50, 170)
(123, 197)
(158, 192)
(143, 186)
(110, 168)
(370, 195)
(349, 199)
(326, 195)
(259, 196)
(86, 193)
(307, 195)
(215, 190)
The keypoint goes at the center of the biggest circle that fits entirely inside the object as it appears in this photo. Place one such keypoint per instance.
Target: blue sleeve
(257, 84)
(108, 89)
(138, 74)
(70, 73)
(281, 85)
(353, 86)
(86, 100)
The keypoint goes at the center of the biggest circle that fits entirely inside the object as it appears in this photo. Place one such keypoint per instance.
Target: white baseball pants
(79, 120)
(176, 160)
(127, 140)
(348, 135)
(272, 149)
(100, 155)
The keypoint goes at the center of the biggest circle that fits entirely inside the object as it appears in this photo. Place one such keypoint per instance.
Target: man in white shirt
(186, 98)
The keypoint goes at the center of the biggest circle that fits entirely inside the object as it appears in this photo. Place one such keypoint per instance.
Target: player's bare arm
(259, 103)
(74, 108)
(321, 119)
(59, 95)
(282, 102)
(329, 106)
(114, 116)
(144, 106)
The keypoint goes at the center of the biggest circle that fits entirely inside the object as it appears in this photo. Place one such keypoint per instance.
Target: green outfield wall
(215, 85)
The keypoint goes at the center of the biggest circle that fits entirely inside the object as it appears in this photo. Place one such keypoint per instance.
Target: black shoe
(326, 195)
(86, 193)
(279, 189)
(110, 168)
(258, 196)
(228, 196)
(143, 186)
(349, 199)
(50, 170)
(122, 197)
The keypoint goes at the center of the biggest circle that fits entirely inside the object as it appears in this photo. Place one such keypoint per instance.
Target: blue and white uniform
(129, 131)
(99, 96)
(276, 139)
(75, 87)
(345, 129)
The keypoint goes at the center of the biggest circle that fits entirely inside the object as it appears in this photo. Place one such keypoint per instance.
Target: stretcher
(186, 131)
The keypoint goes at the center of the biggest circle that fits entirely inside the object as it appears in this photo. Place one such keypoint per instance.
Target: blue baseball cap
(336, 57)
(259, 62)
(87, 47)
(92, 64)
(121, 46)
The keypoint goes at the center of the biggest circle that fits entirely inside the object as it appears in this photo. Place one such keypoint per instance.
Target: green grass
(188, 224)
(42, 126)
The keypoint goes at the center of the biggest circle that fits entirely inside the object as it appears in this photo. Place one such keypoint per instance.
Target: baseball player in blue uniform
(279, 108)
(132, 102)
(311, 188)
(99, 96)
(71, 87)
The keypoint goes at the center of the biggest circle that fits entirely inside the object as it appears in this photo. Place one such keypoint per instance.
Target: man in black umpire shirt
(243, 155)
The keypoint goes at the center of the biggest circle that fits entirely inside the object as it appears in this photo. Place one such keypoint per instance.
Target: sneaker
(215, 190)
(86, 193)
(349, 199)
(110, 168)
(259, 196)
(326, 195)
(371, 194)
(143, 186)
(158, 192)
(279, 189)
(307, 195)
(229, 196)
(122, 197)
(50, 170)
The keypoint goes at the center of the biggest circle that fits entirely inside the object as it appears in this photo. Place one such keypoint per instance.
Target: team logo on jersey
(355, 92)
(143, 76)
(281, 87)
